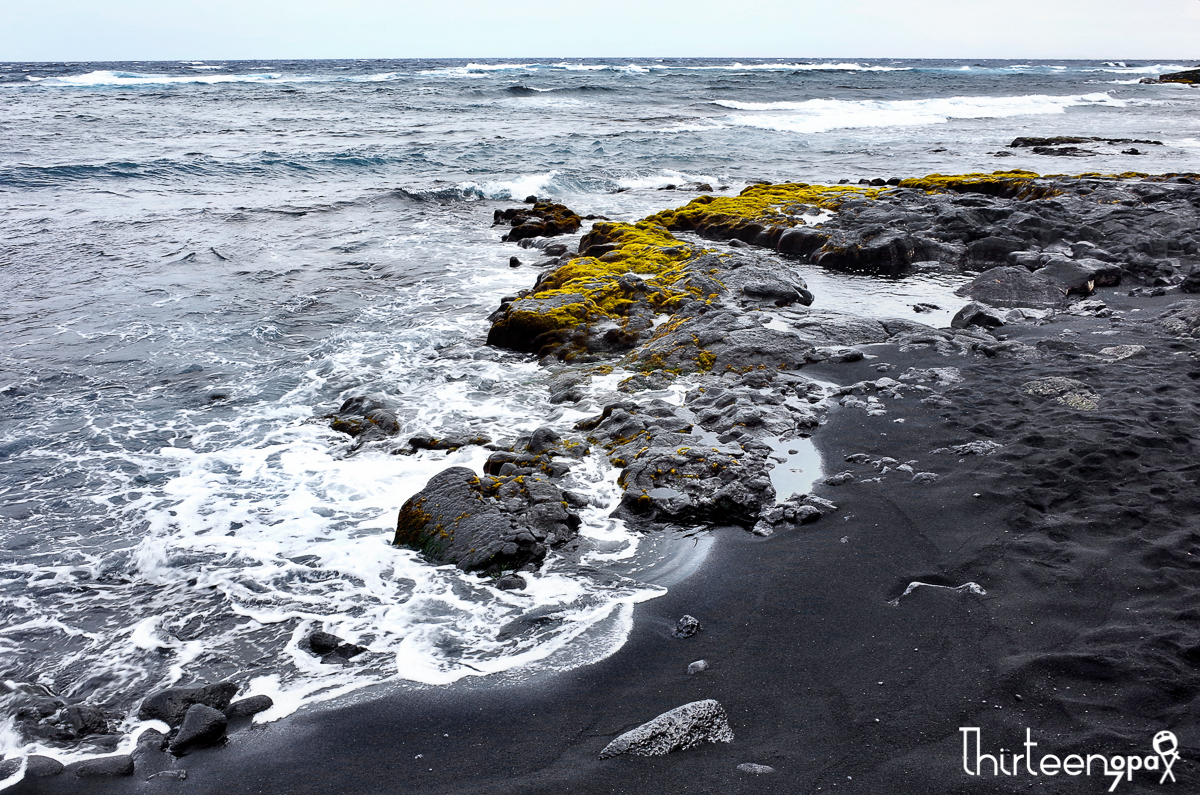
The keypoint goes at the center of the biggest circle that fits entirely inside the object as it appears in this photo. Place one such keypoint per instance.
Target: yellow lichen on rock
(768, 205)
(1016, 184)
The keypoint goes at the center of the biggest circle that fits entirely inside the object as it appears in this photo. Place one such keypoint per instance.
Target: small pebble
(750, 767)
(697, 667)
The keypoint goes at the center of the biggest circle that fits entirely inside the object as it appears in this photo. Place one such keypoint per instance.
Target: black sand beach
(1080, 527)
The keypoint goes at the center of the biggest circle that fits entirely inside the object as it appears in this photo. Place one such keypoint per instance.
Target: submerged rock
(365, 417)
(681, 728)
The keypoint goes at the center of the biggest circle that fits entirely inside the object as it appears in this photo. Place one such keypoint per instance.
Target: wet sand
(1083, 529)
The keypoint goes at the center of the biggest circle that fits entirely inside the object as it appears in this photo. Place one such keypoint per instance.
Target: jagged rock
(799, 509)
(202, 726)
(171, 705)
(685, 627)
(492, 524)
(1066, 391)
(366, 417)
(1181, 319)
(544, 219)
(681, 728)
(330, 648)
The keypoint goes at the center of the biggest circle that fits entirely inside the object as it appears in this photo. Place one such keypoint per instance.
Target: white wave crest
(821, 115)
(515, 188)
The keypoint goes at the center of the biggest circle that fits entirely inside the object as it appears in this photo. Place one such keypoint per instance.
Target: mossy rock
(1015, 184)
(604, 302)
(544, 219)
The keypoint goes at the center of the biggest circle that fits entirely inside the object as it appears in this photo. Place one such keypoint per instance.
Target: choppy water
(197, 259)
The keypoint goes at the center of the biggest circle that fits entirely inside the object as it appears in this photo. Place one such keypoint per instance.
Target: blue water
(198, 259)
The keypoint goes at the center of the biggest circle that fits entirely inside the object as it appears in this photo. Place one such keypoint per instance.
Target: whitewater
(203, 259)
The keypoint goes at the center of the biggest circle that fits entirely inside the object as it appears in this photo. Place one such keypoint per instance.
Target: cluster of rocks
(878, 467)
(739, 323)
(196, 717)
(1069, 145)
(372, 418)
(543, 219)
(1144, 228)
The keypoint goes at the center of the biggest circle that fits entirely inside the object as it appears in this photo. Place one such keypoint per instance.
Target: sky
(125, 30)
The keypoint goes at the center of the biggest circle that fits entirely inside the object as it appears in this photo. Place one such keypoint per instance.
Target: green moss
(411, 524)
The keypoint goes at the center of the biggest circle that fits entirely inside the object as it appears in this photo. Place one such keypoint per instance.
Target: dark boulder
(1190, 283)
(171, 705)
(35, 767)
(493, 524)
(977, 314)
(202, 726)
(86, 719)
(992, 250)
(330, 648)
(427, 441)
(511, 582)
(888, 253)
(1188, 76)
(1013, 286)
(247, 707)
(801, 241)
(103, 767)
(38, 766)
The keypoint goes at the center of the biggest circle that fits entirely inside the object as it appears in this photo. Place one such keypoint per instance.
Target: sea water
(200, 259)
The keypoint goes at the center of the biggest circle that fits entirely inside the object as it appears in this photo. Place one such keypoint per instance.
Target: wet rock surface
(501, 521)
(171, 705)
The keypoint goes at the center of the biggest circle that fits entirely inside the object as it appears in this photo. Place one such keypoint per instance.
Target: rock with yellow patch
(493, 524)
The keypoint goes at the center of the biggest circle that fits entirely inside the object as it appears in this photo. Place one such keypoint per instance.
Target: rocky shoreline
(737, 323)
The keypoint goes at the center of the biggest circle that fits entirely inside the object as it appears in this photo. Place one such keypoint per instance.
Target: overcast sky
(97, 30)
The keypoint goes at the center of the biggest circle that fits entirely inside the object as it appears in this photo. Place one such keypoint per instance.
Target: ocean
(202, 259)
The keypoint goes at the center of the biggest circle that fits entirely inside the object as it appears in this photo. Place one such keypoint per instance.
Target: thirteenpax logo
(1007, 762)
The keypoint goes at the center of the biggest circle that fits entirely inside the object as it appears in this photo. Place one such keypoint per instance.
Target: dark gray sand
(1082, 528)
